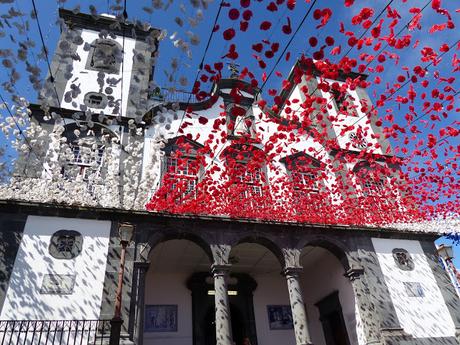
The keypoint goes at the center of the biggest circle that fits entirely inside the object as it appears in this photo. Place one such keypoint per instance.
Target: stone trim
(114, 25)
(139, 216)
(220, 270)
(354, 273)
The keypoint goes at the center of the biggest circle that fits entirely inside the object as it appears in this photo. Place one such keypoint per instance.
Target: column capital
(292, 271)
(354, 272)
(142, 265)
(220, 269)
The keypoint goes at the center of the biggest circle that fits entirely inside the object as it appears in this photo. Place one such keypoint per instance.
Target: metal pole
(117, 321)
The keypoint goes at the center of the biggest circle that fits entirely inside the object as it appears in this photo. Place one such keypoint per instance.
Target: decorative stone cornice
(142, 265)
(355, 272)
(289, 272)
(220, 269)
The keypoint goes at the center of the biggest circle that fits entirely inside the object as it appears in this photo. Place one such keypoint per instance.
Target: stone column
(223, 321)
(142, 268)
(370, 322)
(299, 315)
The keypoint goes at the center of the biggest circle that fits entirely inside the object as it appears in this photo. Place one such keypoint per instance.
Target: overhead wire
(271, 72)
(405, 27)
(280, 56)
(45, 50)
(200, 66)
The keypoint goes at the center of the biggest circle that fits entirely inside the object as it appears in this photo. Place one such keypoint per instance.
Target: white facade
(24, 300)
(86, 78)
(423, 316)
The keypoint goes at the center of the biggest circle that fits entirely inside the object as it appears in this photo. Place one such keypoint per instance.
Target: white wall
(87, 78)
(23, 299)
(170, 288)
(271, 290)
(421, 317)
(318, 280)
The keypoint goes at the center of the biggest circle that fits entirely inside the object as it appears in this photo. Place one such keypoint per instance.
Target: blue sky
(165, 19)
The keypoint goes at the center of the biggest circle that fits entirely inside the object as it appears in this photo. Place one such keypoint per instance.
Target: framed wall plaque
(279, 317)
(57, 284)
(160, 318)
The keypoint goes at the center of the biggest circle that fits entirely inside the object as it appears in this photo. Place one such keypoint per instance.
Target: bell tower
(85, 121)
(102, 65)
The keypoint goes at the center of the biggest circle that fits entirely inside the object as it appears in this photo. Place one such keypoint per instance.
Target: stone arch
(265, 242)
(159, 237)
(339, 249)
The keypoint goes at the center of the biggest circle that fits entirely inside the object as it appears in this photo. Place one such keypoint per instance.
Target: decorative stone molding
(292, 271)
(143, 250)
(220, 270)
(65, 244)
(221, 254)
(142, 265)
(355, 272)
(291, 257)
(391, 336)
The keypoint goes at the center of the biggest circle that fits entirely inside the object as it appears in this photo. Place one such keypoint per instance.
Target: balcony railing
(55, 332)
(172, 96)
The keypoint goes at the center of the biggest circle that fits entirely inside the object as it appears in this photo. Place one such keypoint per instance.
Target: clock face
(357, 141)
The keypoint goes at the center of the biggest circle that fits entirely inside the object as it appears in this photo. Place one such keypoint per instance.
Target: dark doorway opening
(331, 317)
(238, 326)
(241, 308)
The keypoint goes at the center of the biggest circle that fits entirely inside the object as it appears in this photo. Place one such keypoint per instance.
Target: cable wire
(200, 67)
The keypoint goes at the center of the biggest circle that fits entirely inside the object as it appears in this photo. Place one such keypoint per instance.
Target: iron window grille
(183, 171)
(372, 187)
(87, 160)
(251, 181)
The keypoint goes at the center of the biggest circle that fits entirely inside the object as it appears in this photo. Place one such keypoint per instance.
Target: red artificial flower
(233, 14)
(265, 25)
(229, 34)
(245, 3)
(202, 120)
(287, 27)
(247, 15)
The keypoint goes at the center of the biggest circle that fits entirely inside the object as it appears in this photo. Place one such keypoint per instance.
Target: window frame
(102, 105)
(113, 68)
(339, 97)
(171, 151)
(298, 164)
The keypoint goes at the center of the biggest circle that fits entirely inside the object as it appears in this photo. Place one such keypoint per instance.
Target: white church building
(104, 140)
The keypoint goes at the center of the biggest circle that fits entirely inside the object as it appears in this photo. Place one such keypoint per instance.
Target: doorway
(331, 317)
(238, 326)
(241, 308)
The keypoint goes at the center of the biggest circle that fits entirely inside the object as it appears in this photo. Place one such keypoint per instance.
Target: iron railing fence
(173, 96)
(55, 332)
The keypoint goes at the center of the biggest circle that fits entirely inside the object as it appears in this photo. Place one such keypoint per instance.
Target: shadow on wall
(42, 287)
(415, 292)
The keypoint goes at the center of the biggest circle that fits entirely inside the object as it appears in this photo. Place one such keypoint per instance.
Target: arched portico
(164, 303)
